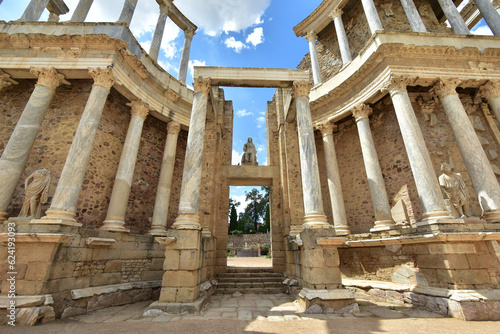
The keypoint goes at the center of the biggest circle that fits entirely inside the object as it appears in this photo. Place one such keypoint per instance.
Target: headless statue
(454, 188)
(250, 153)
(36, 194)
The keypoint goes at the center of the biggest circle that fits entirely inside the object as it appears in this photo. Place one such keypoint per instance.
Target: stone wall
(238, 242)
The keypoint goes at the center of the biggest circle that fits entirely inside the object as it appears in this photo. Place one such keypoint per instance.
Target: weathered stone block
(180, 278)
(38, 271)
(321, 275)
(113, 266)
(189, 260)
(415, 249)
(477, 261)
(172, 258)
(445, 261)
(167, 295)
(458, 248)
(105, 279)
(187, 295)
(475, 277)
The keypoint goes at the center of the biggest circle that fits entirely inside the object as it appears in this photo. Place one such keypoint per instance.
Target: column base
(334, 299)
(342, 230)
(384, 225)
(114, 226)
(57, 218)
(315, 221)
(157, 230)
(437, 215)
(492, 216)
(187, 221)
(176, 308)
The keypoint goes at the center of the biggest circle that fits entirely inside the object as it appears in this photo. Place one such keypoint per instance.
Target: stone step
(249, 270)
(256, 274)
(251, 279)
(250, 285)
(250, 290)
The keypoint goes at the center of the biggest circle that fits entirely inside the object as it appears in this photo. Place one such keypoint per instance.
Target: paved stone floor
(252, 313)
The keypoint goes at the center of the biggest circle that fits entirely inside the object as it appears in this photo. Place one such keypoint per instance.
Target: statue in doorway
(454, 188)
(250, 153)
(36, 193)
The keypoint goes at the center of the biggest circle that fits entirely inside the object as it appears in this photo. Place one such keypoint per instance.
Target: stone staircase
(250, 280)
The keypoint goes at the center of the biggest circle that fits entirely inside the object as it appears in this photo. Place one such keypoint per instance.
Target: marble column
(115, 218)
(81, 11)
(376, 184)
(334, 185)
(188, 37)
(188, 218)
(490, 15)
(311, 187)
(162, 201)
(491, 91)
(481, 174)
(34, 10)
(128, 11)
(420, 160)
(311, 39)
(345, 51)
(63, 207)
(154, 50)
(453, 15)
(21, 141)
(372, 16)
(416, 23)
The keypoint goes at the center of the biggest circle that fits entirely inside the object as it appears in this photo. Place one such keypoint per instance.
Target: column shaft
(311, 186)
(416, 23)
(34, 10)
(334, 185)
(491, 91)
(482, 176)
(345, 51)
(311, 39)
(191, 177)
(154, 50)
(115, 218)
(19, 146)
(490, 15)
(376, 184)
(372, 16)
(128, 11)
(456, 21)
(420, 160)
(81, 11)
(63, 207)
(188, 37)
(162, 201)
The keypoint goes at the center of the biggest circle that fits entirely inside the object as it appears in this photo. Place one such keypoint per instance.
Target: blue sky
(239, 33)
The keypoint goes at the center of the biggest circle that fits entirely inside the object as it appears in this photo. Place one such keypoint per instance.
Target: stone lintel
(175, 308)
(248, 175)
(57, 238)
(100, 242)
(251, 77)
(27, 301)
(330, 241)
(165, 240)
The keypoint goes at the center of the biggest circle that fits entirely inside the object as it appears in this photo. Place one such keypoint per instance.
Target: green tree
(233, 219)
(244, 220)
(256, 206)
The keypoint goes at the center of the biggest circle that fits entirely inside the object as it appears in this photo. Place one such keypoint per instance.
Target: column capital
(301, 88)
(311, 36)
(361, 111)
(173, 128)
(202, 85)
(5, 80)
(104, 78)
(445, 87)
(48, 77)
(189, 33)
(335, 13)
(326, 128)
(397, 84)
(139, 108)
(490, 90)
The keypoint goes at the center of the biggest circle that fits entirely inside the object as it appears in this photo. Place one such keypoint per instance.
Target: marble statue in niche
(250, 153)
(454, 188)
(36, 193)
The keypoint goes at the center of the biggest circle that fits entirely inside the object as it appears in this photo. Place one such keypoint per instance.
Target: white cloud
(193, 63)
(256, 37)
(482, 30)
(260, 121)
(242, 199)
(215, 16)
(232, 43)
(260, 148)
(236, 157)
(243, 113)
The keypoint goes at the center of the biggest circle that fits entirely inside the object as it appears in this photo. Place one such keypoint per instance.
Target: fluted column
(376, 184)
(372, 16)
(63, 207)
(491, 91)
(115, 218)
(191, 176)
(19, 146)
(311, 186)
(490, 15)
(420, 160)
(311, 39)
(81, 11)
(334, 185)
(34, 10)
(154, 50)
(416, 23)
(453, 15)
(188, 37)
(162, 201)
(128, 11)
(345, 51)
(482, 176)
